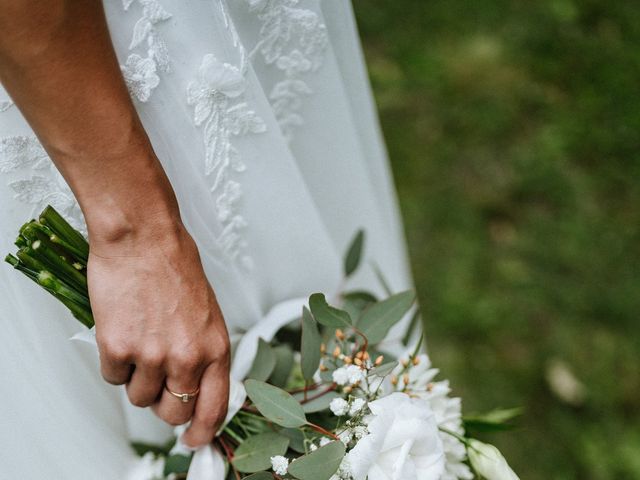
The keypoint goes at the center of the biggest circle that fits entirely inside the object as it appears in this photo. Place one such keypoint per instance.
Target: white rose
(489, 462)
(402, 443)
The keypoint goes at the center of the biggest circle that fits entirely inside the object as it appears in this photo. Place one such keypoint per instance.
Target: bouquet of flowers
(327, 404)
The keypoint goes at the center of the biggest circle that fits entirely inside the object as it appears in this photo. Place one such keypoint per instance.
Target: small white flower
(279, 464)
(348, 375)
(489, 462)
(147, 468)
(313, 447)
(339, 406)
(345, 436)
(359, 431)
(356, 406)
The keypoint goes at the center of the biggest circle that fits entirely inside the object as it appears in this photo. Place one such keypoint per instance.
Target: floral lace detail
(5, 102)
(140, 73)
(294, 41)
(40, 184)
(216, 96)
(5, 105)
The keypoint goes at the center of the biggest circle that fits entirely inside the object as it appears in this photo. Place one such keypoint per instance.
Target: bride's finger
(145, 385)
(211, 406)
(170, 407)
(115, 363)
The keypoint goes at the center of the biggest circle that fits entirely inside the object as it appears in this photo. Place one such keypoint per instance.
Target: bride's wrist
(130, 216)
(135, 228)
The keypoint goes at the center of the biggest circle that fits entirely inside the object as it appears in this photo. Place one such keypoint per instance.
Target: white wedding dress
(262, 115)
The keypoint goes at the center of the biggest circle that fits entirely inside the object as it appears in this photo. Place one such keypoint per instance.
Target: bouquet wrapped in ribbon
(327, 403)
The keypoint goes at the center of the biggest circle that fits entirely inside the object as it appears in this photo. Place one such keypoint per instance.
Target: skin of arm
(157, 318)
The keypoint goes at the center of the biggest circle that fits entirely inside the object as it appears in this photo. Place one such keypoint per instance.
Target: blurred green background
(514, 132)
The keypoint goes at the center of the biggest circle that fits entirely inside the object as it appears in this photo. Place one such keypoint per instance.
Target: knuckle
(221, 352)
(109, 377)
(152, 357)
(115, 351)
(187, 361)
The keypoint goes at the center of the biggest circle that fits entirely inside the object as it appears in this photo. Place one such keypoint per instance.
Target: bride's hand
(158, 323)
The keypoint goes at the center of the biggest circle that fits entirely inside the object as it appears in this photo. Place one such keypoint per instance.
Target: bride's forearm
(58, 65)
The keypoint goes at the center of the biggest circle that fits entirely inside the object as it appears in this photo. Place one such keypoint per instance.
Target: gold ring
(184, 397)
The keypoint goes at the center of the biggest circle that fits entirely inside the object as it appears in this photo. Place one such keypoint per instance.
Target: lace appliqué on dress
(216, 96)
(141, 73)
(40, 184)
(294, 40)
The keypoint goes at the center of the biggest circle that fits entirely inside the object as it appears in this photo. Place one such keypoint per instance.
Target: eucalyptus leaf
(254, 454)
(177, 464)
(284, 365)
(259, 476)
(493, 421)
(354, 253)
(378, 319)
(357, 301)
(320, 464)
(296, 439)
(310, 345)
(264, 363)
(326, 314)
(327, 375)
(275, 404)
(317, 404)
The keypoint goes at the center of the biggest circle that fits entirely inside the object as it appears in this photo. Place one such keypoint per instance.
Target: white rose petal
(339, 406)
(489, 462)
(402, 442)
(279, 464)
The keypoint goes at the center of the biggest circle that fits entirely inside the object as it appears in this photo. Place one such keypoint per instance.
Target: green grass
(514, 132)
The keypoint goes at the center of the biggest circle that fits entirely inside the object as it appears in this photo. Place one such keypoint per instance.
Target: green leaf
(493, 421)
(275, 404)
(264, 363)
(320, 464)
(326, 314)
(357, 301)
(354, 254)
(296, 439)
(284, 364)
(254, 454)
(384, 369)
(317, 404)
(259, 476)
(141, 448)
(177, 464)
(310, 345)
(378, 319)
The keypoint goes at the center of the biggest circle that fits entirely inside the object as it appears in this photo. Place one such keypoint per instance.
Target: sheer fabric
(262, 116)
